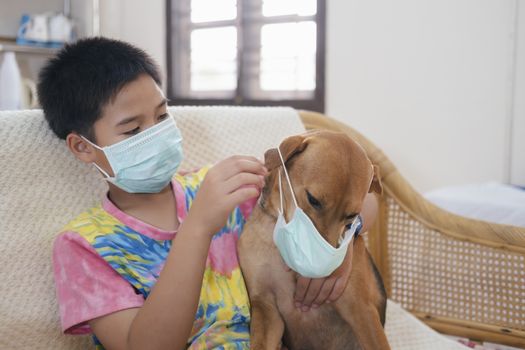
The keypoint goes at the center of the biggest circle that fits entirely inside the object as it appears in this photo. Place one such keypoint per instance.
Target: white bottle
(10, 83)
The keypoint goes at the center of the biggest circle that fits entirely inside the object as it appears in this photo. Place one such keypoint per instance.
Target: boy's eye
(163, 116)
(132, 132)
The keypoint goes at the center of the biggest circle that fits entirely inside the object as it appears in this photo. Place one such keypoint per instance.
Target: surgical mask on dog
(147, 161)
(301, 245)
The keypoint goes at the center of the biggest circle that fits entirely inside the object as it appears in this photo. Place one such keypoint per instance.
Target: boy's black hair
(83, 77)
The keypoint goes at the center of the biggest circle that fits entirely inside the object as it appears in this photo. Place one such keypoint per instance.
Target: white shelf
(9, 46)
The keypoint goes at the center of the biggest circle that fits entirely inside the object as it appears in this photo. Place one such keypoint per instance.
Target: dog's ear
(271, 159)
(376, 185)
(289, 147)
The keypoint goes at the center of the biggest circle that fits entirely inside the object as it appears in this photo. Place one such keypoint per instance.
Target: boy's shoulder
(97, 221)
(187, 183)
(93, 222)
(192, 178)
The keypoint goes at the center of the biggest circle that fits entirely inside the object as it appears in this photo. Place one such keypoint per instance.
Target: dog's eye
(313, 202)
(350, 219)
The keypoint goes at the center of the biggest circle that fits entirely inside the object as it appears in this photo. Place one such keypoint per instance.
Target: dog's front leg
(267, 325)
(359, 304)
(365, 322)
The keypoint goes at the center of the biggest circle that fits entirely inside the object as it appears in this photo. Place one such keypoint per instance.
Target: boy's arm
(166, 318)
(314, 292)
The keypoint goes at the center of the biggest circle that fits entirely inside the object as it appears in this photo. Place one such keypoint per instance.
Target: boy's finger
(325, 292)
(241, 164)
(313, 291)
(243, 180)
(339, 288)
(300, 289)
(241, 195)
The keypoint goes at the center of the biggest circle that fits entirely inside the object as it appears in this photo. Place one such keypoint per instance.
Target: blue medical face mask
(147, 161)
(301, 245)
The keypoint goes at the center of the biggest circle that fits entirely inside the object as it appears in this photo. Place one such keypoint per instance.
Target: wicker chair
(460, 276)
(433, 263)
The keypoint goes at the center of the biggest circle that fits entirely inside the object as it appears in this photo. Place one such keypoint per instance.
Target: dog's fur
(336, 171)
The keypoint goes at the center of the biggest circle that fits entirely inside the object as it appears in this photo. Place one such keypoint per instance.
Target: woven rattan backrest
(435, 275)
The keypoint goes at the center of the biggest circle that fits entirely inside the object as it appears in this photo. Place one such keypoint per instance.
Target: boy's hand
(227, 184)
(313, 292)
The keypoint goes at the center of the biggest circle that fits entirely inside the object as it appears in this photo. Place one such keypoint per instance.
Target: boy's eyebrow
(162, 103)
(127, 120)
(130, 119)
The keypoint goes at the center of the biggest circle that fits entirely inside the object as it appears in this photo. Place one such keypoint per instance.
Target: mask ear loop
(281, 193)
(287, 178)
(349, 234)
(95, 164)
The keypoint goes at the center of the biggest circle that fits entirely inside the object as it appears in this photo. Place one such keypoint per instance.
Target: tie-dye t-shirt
(106, 261)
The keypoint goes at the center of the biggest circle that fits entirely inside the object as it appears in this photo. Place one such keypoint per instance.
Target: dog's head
(330, 175)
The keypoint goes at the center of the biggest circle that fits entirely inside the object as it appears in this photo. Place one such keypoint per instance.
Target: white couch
(42, 187)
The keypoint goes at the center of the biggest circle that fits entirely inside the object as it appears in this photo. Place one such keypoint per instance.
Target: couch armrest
(460, 276)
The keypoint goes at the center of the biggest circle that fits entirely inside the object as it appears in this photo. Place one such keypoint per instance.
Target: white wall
(430, 82)
(139, 22)
(518, 125)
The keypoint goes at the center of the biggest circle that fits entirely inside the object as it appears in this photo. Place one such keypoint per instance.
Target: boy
(142, 270)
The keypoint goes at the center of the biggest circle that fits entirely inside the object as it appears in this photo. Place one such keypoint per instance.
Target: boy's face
(139, 105)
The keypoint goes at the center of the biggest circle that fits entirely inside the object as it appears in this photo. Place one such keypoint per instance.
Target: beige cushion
(405, 332)
(42, 187)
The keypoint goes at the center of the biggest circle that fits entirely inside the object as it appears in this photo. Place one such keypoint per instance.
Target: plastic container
(10, 82)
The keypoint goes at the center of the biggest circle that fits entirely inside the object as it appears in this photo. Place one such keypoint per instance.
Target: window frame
(315, 103)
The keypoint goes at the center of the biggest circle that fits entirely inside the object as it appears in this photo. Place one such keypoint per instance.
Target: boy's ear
(80, 148)
(376, 185)
(289, 147)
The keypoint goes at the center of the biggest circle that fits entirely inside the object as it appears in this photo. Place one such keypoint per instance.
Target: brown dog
(336, 172)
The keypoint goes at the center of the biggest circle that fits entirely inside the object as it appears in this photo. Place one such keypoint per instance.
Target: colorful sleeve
(190, 183)
(194, 179)
(86, 286)
(247, 207)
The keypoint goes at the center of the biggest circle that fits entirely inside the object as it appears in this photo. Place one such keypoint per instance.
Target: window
(246, 52)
